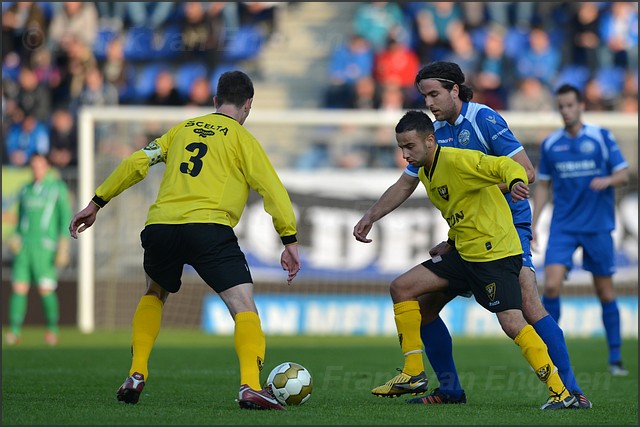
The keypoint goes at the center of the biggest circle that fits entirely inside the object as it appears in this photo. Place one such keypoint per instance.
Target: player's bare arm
(523, 159)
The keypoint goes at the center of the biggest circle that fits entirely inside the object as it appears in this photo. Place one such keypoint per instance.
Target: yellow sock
(535, 351)
(250, 347)
(407, 317)
(145, 328)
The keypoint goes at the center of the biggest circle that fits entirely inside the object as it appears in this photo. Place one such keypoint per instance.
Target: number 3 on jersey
(194, 166)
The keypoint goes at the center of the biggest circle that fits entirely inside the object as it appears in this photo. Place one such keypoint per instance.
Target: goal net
(335, 164)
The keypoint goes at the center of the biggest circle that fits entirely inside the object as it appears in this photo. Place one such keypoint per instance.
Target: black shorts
(495, 284)
(211, 249)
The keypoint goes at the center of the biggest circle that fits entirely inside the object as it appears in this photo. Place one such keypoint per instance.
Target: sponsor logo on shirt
(497, 135)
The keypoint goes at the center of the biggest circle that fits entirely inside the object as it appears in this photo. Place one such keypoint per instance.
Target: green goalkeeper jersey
(462, 185)
(212, 161)
(44, 212)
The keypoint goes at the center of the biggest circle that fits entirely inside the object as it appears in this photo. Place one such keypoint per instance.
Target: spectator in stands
(63, 150)
(261, 14)
(366, 95)
(541, 59)
(628, 100)
(463, 52)
(96, 91)
(619, 29)
(396, 64)
(165, 92)
(501, 13)
(25, 139)
(436, 23)
(473, 15)
(376, 20)
(593, 96)
(203, 32)
(34, 97)
(348, 63)
(531, 95)
(117, 70)
(24, 29)
(75, 61)
(392, 98)
(583, 37)
(75, 20)
(149, 14)
(494, 76)
(200, 93)
(111, 14)
(46, 71)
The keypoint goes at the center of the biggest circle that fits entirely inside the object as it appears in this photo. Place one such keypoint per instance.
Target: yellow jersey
(461, 184)
(211, 161)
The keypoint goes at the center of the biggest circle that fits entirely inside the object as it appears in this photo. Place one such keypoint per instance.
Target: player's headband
(443, 80)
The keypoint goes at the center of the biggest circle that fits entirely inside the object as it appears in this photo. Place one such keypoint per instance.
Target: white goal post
(90, 116)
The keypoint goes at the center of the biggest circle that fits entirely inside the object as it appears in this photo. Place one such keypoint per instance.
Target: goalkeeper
(483, 253)
(40, 246)
(211, 163)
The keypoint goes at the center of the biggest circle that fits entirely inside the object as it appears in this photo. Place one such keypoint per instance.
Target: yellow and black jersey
(462, 185)
(211, 163)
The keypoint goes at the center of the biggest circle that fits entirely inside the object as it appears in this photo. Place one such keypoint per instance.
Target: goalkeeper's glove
(62, 254)
(15, 243)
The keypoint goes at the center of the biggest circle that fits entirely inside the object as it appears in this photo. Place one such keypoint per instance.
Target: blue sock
(439, 350)
(552, 305)
(611, 321)
(553, 337)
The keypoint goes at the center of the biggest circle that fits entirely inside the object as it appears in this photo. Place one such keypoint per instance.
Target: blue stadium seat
(103, 38)
(186, 74)
(243, 43)
(516, 41)
(611, 80)
(170, 43)
(576, 75)
(138, 44)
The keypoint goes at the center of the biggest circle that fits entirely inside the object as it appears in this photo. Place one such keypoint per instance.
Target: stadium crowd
(59, 56)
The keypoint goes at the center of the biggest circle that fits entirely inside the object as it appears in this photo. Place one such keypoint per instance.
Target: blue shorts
(525, 234)
(597, 251)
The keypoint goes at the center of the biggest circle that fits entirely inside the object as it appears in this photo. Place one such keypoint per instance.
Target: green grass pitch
(194, 381)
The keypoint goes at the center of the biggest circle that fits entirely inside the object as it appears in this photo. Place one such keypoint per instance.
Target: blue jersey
(479, 127)
(571, 163)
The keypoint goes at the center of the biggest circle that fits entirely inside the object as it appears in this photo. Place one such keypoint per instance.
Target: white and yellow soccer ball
(291, 383)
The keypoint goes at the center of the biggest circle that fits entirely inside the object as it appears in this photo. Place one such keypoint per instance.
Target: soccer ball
(291, 383)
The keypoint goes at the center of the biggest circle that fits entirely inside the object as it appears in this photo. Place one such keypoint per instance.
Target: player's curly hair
(448, 74)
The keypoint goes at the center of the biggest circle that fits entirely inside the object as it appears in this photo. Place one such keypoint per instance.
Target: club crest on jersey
(464, 137)
(587, 147)
(444, 192)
